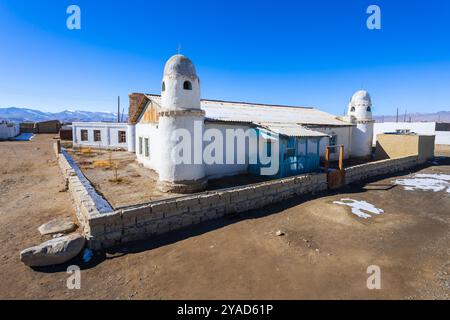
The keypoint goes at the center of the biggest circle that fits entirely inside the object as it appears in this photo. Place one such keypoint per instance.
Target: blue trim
(296, 162)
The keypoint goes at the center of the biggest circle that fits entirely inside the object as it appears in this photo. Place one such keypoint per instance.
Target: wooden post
(341, 158)
(327, 158)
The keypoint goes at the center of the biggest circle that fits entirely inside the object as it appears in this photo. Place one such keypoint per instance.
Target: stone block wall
(378, 168)
(158, 217)
(84, 204)
(105, 227)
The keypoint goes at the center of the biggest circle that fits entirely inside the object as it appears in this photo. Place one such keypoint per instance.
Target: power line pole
(397, 116)
(118, 108)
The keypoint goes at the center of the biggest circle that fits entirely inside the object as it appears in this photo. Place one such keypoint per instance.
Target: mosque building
(160, 123)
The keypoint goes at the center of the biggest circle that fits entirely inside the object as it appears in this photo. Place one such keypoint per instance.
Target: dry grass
(102, 164)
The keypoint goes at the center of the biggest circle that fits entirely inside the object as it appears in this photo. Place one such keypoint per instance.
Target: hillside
(24, 115)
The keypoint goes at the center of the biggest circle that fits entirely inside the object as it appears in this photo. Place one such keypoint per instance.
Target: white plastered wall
(344, 137)
(218, 170)
(9, 130)
(109, 135)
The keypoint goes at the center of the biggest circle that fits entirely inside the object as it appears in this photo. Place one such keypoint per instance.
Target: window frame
(140, 145)
(97, 135)
(84, 135)
(122, 136)
(147, 147)
(333, 138)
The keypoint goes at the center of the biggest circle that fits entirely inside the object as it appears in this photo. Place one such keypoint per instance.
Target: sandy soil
(324, 253)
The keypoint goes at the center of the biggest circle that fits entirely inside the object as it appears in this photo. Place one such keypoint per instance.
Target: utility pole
(118, 108)
(397, 116)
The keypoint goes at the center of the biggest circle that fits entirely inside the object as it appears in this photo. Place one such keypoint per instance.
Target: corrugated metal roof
(292, 130)
(264, 113)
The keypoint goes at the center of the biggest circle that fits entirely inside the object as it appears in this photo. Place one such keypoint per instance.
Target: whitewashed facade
(102, 135)
(303, 133)
(9, 130)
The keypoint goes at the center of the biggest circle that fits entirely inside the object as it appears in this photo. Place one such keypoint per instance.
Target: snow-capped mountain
(24, 115)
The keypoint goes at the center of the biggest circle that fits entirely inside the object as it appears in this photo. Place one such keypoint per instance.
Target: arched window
(369, 109)
(352, 109)
(163, 86)
(187, 85)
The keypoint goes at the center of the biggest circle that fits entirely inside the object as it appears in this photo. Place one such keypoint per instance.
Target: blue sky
(306, 53)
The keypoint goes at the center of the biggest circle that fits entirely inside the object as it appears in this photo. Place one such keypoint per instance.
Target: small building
(28, 127)
(442, 133)
(398, 145)
(50, 126)
(9, 130)
(65, 133)
(102, 135)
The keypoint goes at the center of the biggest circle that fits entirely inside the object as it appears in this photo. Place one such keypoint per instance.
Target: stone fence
(158, 217)
(105, 227)
(372, 169)
(87, 202)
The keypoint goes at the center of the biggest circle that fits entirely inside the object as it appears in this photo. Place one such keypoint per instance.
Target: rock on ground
(55, 251)
(57, 226)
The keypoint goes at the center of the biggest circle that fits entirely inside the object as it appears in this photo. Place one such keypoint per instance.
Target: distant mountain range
(441, 116)
(30, 115)
(24, 114)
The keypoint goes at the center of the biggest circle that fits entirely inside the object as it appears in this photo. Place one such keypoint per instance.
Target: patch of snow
(426, 182)
(358, 207)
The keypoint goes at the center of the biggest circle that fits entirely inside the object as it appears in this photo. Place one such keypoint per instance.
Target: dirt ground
(324, 253)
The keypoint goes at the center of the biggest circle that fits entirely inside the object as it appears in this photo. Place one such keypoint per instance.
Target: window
(187, 85)
(163, 86)
(352, 109)
(122, 137)
(97, 135)
(84, 135)
(333, 142)
(269, 148)
(369, 109)
(147, 152)
(140, 145)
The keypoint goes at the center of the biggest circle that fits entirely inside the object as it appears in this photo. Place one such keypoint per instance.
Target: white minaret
(360, 113)
(181, 116)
